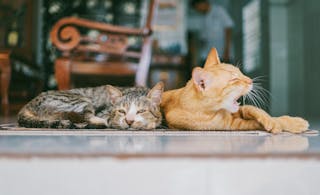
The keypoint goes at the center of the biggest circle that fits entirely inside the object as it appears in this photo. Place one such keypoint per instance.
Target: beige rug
(13, 129)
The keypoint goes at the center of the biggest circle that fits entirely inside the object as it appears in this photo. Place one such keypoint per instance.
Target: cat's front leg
(88, 113)
(243, 124)
(269, 123)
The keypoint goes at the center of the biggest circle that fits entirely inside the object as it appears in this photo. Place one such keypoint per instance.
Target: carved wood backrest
(67, 36)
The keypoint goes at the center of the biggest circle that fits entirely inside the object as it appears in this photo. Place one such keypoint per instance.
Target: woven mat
(13, 129)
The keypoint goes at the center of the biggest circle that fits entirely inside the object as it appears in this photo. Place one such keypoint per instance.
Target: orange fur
(208, 102)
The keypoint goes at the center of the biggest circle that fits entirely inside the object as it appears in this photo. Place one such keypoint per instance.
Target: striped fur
(137, 108)
(82, 108)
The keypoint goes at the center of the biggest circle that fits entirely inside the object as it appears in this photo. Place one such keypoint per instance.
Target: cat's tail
(30, 120)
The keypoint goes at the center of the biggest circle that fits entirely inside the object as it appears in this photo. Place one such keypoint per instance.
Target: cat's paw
(150, 126)
(81, 126)
(143, 126)
(65, 124)
(293, 124)
(96, 122)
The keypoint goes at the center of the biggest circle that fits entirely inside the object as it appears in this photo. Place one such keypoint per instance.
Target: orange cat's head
(220, 85)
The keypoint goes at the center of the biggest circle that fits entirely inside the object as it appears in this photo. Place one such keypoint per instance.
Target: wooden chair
(112, 42)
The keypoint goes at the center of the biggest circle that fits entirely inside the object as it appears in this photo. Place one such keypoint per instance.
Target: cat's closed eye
(234, 79)
(234, 76)
(122, 111)
(141, 111)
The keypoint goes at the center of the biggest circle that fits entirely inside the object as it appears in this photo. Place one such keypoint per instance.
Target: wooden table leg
(5, 76)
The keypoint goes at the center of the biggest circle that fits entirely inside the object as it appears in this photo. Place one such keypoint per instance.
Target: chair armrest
(66, 37)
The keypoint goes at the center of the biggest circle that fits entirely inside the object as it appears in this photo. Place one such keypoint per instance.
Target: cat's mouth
(235, 101)
(235, 104)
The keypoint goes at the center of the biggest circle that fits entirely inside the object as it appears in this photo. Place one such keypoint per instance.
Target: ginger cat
(209, 102)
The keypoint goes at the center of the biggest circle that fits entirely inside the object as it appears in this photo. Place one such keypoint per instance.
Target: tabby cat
(96, 107)
(209, 102)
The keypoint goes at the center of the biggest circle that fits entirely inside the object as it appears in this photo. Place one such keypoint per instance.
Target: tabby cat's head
(220, 84)
(136, 108)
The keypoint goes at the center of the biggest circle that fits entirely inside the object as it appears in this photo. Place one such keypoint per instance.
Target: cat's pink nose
(129, 122)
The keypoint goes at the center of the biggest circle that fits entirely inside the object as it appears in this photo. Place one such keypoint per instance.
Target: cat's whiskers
(258, 96)
(244, 99)
(253, 99)
(264, 94)
(238, 64)
(260, 101)
(262, 77)
(247, 99)
(267, 95)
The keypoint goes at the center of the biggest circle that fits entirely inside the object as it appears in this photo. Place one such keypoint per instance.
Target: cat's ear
(114, 93)
(212, 58)
(155, 93)
(201, 79)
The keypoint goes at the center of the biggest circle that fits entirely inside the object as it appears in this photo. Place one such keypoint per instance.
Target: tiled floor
(156, 143)
(23, 142)
(157, 162)
(158, 176)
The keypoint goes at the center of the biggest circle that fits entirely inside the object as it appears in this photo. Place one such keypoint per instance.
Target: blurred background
(274, 40)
